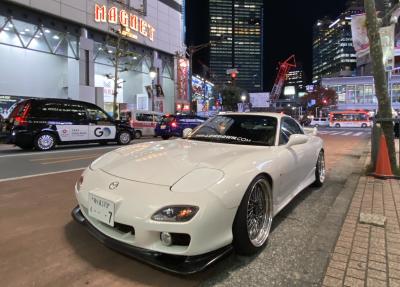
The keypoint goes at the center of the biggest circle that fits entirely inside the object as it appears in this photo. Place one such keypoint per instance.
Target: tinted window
(58, 111)
(144, 117)
(238, 129)
(166, 119)
(288, 127)
(96, 114)
(18, 109)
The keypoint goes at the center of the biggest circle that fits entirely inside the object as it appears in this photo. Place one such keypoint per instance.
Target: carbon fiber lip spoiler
(182, 265)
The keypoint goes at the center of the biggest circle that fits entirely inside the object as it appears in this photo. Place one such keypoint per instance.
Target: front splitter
(178, 264)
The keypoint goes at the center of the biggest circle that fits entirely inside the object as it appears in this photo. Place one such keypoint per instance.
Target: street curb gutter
(328, 232)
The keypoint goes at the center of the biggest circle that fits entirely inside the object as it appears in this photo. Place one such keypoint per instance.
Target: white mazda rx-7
(182, 204)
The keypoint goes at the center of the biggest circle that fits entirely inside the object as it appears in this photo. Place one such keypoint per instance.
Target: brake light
(174, 124)
(22, 120)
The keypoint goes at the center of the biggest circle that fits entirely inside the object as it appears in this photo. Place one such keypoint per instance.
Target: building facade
(239, 27)
(63, 49)
(333, 52)
(359, 92)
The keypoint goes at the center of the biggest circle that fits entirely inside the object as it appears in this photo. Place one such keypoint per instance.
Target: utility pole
(379, 73)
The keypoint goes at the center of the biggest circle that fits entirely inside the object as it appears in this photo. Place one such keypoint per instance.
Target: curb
(328, 232)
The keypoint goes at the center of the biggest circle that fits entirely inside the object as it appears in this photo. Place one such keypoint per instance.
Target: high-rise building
(237, 26)
(333, 52)
(296, 78)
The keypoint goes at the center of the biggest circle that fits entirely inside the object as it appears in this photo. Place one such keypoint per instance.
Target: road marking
(357, 134)
(68, 159)
(40, 174)
(336, 133)
(347, 134)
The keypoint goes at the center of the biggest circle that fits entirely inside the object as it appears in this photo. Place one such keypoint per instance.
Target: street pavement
(40, 245)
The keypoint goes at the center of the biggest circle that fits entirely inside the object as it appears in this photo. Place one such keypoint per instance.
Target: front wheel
(253, 219)
(337, 125)
(364, 125)
(320, 171)
(138, 134)
(124, 138)
(44, 141)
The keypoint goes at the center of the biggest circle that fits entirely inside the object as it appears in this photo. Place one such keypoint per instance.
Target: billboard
(289, 91)
(259, 100)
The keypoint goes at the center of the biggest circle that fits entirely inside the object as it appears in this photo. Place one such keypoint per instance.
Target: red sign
(126, 19)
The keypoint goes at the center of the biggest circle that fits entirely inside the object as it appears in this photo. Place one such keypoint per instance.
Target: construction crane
(284, 68)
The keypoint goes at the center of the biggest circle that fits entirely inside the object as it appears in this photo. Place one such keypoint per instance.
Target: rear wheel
(320, 171)
(337, 125)
(165, 137)
(253, 219)
(44, 141)
(364, 125)
(138, 134)
(124, 138)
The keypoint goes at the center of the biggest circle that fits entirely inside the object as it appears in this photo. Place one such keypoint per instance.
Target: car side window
(97, 115)
(288, 127)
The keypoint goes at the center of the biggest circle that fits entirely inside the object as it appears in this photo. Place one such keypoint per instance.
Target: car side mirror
(297, 140)
(186, 132)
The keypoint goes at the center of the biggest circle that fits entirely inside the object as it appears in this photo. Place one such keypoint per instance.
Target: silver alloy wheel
(124, 138)
(259, 213)
(321, 167)
(45, 142)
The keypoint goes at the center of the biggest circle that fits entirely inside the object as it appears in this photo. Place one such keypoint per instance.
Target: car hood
(164, 163)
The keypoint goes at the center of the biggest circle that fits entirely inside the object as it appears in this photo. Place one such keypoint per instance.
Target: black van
(44, 123)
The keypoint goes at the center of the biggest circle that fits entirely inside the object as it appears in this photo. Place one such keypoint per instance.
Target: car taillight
(22, 120)
(174, 124)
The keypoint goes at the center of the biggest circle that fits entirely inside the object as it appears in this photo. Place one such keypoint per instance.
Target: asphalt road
(40, 245)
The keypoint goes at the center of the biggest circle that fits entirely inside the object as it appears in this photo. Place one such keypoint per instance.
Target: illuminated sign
(128, 20)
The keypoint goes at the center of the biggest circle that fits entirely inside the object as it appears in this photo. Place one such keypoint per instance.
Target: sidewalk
(365, 254)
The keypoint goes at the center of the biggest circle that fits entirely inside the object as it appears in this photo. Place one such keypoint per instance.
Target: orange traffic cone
(383, 169)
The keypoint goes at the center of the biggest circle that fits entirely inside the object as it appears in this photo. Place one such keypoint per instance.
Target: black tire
(364, 125)
(337, 125)
(242, 242)
(45, 141)
(138, 134)
(165, 137)
(124, 138)
(319, 177)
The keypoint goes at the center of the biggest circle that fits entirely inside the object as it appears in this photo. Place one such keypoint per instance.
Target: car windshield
(238, 129)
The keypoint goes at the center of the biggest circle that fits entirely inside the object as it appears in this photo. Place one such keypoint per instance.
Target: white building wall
(166, 20)
(38, 80)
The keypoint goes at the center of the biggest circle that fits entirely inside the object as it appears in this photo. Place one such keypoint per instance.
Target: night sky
(287, 30)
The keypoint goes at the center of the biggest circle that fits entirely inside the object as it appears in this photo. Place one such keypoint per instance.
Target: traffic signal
(233, 75)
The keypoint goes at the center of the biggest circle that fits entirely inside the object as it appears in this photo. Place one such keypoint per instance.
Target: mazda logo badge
(113, 185)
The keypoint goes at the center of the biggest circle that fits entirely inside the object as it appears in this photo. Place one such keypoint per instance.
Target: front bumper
(178, 264)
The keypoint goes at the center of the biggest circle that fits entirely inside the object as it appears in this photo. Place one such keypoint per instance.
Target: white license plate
(163, 127)
(101, 209)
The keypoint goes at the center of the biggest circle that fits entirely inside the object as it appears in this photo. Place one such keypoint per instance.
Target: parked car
(44, 123)
(320, 122)
(144, 122)
(173, 125)
(183, 204)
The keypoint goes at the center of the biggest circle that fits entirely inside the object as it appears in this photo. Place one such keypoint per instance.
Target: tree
(320, 98)
(384, 104)
(120, 56)
(230, 97)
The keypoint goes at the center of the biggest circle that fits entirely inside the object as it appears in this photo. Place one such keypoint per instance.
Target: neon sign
(128, 20)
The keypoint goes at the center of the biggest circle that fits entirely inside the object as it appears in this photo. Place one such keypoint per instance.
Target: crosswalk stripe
(337, 133)
(357, 134)
(346, 134)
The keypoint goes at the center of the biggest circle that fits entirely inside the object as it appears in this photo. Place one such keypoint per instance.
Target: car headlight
(175, 213)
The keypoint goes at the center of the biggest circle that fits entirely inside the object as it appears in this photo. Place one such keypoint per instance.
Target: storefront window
(359, 94)
(369, 94)
(22, 34)
(395, 93)
(350, 94)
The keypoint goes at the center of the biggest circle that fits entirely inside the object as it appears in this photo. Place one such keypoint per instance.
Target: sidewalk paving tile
(366, 254)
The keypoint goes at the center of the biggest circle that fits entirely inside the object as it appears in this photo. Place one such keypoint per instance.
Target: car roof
(55, 100)
(264, 114)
